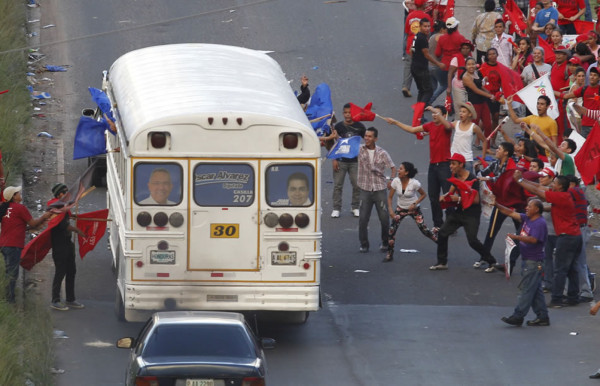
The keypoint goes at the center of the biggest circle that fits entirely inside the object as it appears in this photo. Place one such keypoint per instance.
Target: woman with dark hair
(15, 218)
(478, 96)
(523, 57)
(483, 29)
(585, 55)
(556, 39)
(407, 188)
(448, 46)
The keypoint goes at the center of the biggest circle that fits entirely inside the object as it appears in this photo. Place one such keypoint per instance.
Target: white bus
(213, 184)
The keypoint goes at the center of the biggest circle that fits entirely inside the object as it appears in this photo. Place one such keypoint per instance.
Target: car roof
(198, 317)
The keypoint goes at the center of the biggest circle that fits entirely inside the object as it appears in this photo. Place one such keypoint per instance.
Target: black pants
(437, 184)
(423, 80)
(65, 268)
(454, 220)
(496, 220)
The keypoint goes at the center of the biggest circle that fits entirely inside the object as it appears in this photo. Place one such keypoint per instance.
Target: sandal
(389, 257)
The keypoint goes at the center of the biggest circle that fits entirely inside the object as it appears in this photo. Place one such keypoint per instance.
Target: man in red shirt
(568, 241)
(568, 12)
(14, 219)
(440, 134)
(591, 99)
(559, 78)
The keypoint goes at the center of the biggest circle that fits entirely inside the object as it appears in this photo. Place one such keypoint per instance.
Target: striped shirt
(371, 175)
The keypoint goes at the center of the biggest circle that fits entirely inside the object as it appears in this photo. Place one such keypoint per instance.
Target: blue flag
(101, 99)
(345, 148)
(320, 107)
(89, 138)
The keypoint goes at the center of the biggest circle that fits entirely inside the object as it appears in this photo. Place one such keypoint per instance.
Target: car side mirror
(125, 343)
(267, 343)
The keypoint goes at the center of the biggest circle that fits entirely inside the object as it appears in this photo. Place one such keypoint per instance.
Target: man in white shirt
(502, 43)
(160, 187)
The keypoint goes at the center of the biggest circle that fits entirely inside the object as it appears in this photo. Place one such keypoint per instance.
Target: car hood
(212, 367)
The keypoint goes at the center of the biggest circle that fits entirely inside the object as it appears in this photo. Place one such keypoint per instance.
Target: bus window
(290, 185)
(224, 184)
(158, 183)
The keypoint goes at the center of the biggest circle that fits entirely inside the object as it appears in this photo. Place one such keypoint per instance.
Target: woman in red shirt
(15, 219)
(524, 57)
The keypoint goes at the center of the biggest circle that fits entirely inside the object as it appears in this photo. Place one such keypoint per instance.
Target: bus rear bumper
(144, 298)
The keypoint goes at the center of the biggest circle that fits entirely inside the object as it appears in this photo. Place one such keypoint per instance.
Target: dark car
(196, 348)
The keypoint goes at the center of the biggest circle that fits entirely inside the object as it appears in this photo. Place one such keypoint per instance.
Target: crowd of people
(475, 166)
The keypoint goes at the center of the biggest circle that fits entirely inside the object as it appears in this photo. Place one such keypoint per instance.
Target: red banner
(362, 114)
(549, 56)
(514, 15)
(587, 159)
(93, 224)
(38, 248)
(582, 26)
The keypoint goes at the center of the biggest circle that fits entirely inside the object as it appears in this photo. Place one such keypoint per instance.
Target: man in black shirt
(345, 129)
(420, 71)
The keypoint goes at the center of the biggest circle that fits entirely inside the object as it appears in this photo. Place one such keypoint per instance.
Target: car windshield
(184, 340)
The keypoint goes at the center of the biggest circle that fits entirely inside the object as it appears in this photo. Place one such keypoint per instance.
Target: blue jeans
(367, 200)
(441, 77)
(350, 168)
(588, 11)
(585, 289)
(531, 295)
(568, 247)
(12, 259)
(437, 184)
(549, 261)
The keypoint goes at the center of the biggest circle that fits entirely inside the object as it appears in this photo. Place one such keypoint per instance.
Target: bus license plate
(283, 258)
(162, 257)
(224, 231)
(199, 382)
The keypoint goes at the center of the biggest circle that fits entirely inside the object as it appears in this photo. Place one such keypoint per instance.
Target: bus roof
(155, 84)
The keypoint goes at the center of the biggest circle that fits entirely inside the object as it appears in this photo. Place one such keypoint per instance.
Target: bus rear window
(223, 184)
(290, 185)
(158, 183)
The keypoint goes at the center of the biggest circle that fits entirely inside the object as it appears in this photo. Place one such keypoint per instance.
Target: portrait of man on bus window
(290, 185)
(158, 184)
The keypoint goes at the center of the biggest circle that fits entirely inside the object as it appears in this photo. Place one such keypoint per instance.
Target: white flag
(530, 94)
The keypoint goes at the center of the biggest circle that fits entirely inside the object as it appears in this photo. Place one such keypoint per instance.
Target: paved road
(396, 323)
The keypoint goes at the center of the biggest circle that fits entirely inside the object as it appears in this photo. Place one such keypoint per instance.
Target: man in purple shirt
(532, 239)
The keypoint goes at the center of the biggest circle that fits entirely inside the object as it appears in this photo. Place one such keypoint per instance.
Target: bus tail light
(139, 264)
(271, 220)
(147, 381)
(158, 139)
(253, 381)
(161, 219)
(290, 140)
(286, 220)
(144, 219)
(176, 219)
(302, 220)
(306, 266)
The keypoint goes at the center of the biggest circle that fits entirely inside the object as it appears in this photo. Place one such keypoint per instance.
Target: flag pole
(497, 128)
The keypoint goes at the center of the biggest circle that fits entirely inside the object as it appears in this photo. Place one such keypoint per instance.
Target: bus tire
(119, 306)
(297, 317)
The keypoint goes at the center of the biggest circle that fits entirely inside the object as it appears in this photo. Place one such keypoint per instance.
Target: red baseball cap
(458, 157)
(549, 172)
(575, 60)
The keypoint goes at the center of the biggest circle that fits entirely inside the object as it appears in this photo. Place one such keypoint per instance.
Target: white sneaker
(356, 212)
(335, 214)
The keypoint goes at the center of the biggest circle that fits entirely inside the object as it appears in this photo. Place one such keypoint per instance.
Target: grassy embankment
(25, 329)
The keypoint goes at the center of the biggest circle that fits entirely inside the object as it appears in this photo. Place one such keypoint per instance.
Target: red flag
(582, 26)
(549, 56)
(465, 189)
(448, 104)
(362, 114)
(587, 159)
(93, 224)
(509, 80)
(514, 15)
(38, 248)
(449, 11)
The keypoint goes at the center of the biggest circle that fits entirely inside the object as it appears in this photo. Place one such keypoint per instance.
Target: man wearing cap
(547, 124)
(447, 47)
(547, 175)
(559, 78)
(568, 241)
(63, 254)
(591, 99)
(466, 214)
(15, 219)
